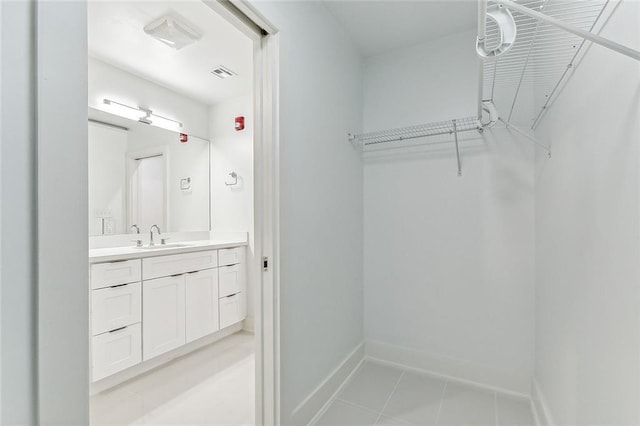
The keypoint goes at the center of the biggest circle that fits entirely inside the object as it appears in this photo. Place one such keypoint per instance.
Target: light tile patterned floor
(378, 394)
(212, 386)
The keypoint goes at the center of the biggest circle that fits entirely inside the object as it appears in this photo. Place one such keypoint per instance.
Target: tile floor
(378, 394)
(211, 386)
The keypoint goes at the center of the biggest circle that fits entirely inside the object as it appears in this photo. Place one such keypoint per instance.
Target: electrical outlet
(109, 226)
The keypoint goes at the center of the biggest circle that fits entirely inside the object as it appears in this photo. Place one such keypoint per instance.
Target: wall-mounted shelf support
(526, 135)
(455, 136)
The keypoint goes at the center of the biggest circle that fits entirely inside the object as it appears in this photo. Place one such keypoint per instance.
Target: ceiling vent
(223, 72)
(172, 32)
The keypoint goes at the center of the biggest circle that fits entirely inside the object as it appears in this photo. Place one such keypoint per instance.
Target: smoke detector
(172, 32)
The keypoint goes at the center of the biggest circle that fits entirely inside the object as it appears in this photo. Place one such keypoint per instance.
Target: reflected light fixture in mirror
(142, 115)
(124, 110)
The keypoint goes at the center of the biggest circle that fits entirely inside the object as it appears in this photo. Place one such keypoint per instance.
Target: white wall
(320, 196)
(232, 206)
(107, 81)
(587, 245)
(63, 293)
(448, 259)
(18, 391)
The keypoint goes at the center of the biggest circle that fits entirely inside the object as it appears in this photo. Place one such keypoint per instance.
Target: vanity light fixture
(143, 115)
(123, 110)
(164, 122)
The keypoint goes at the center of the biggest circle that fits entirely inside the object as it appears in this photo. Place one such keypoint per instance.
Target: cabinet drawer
(230, 279)
(164, 266)
(230, 256)
(115, 307)
(115, 351)
(231, 310)
(115, 273)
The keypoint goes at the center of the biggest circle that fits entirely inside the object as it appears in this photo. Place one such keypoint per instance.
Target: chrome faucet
(137, 241)
(151, 243)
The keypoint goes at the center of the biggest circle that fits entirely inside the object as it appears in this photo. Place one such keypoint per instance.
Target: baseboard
(508, 383)
(315, 403)
(540, 406)
(249, 324)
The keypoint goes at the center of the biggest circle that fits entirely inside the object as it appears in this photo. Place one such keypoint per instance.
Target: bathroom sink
(163, 246)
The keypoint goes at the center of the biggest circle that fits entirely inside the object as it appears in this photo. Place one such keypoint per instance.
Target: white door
(163, 315)
(148, 191)
(202, 304)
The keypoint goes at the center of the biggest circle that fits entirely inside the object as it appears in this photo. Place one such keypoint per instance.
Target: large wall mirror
(144, 175)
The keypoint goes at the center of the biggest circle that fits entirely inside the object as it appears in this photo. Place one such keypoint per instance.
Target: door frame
(247, 19)
(62, 283)
(131, 209)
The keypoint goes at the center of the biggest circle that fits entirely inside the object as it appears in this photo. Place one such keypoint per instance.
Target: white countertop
(132, 252)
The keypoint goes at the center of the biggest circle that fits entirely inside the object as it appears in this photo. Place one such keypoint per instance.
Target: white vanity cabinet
(146, 307)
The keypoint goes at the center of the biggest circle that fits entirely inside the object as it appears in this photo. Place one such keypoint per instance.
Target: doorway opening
(147, 188)
(179, 316)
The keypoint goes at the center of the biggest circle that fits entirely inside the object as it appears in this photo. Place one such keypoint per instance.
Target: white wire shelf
(523, 82)
(424, 134)
(416, 135)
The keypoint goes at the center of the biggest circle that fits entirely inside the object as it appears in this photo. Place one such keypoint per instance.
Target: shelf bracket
(455, 135)
(521, 132)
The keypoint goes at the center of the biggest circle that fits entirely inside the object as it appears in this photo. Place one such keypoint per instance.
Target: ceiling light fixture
(172, 32)
(143, 115)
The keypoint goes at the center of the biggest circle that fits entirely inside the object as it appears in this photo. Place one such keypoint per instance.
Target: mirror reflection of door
(147, 197)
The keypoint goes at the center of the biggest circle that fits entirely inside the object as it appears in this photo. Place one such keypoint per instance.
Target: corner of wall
(540, 407)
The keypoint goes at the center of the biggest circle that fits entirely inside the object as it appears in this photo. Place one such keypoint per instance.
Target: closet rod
(627, 51)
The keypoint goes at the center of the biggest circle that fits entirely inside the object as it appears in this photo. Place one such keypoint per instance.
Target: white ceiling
(380, 26)
(116, 36)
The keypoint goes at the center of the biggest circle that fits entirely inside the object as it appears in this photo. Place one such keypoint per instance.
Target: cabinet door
(114, 351)
(202, 304)
(163, 310)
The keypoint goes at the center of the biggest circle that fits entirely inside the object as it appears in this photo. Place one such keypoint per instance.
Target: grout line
(390, 395)
(353, 404)
(444, 390)
(334, 395)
